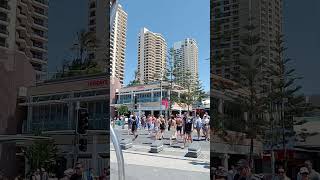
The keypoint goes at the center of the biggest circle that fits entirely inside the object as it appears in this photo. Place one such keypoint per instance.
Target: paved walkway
(139, 165)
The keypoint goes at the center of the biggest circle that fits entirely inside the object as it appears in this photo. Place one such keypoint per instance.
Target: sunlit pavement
(145, 166)
(144, 140)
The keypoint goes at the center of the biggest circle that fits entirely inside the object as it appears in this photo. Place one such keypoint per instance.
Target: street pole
(161, 95)
(75, 154)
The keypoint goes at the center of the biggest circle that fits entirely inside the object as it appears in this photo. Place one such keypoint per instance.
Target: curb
(164, 156)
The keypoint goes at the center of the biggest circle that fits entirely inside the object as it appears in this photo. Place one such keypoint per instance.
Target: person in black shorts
(179, 125)
(162, 126)
(134, 127)
(188, 131)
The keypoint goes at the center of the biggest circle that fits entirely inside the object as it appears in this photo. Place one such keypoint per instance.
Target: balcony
(4, 5)
(42, 48)
(5, 19)
(4, 31)
(40, 13)
(44, 3)
(43, 25)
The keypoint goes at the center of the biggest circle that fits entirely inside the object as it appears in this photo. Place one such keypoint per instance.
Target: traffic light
(83, 121)
(83, 144)
(135, 102)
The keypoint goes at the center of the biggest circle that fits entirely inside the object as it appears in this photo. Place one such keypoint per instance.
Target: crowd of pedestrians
(76, 173)
(242, 171)
(176, 126)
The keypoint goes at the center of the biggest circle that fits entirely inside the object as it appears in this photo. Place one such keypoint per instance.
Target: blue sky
(178, 19)
(175, 20)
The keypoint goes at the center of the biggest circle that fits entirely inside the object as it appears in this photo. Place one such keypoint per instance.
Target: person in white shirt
(198, 125)
(313, 175)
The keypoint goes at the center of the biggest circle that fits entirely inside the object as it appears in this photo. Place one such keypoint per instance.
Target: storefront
(150, 99)
(52, 110)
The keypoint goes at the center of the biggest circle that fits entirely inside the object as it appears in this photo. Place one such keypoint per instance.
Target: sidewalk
(167, 151)
(145, 166)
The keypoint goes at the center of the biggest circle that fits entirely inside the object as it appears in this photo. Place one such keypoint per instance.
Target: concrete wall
(15, 72)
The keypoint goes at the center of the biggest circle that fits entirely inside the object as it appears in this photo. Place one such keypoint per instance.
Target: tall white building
(24, 30)
(152, 49)
(98, 24)
(186, 59)
(118, 43)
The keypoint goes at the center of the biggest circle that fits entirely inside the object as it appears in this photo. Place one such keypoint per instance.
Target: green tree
(86, 42)
(122, 110)
(136, 79)
(284, 98)
(42, 154)
(251, 79)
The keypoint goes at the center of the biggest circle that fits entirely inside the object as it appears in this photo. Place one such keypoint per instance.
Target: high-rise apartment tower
(152, 52)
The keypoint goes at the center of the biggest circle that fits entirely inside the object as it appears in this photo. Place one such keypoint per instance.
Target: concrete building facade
(118, 43)
(186, 59)
(152, 52)
(98, 13)
(24, 28)
(228, 19)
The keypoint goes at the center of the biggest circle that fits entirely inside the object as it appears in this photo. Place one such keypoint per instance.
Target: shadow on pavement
(204, 164)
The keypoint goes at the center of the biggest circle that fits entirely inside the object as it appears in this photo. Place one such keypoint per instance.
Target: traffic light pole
(76, 139)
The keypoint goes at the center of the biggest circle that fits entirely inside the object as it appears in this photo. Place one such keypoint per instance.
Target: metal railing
(120, 160)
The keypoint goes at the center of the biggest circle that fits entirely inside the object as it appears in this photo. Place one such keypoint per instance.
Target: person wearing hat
(67, 174)
(304, 172)
(244, 170)
(221, 174)
(44, 174)
(313, 175)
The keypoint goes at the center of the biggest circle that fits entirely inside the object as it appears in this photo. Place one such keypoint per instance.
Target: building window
(93, 5)
(92, 13)
(92, 22)
(2, 41)
(3, 16)
(38, 21)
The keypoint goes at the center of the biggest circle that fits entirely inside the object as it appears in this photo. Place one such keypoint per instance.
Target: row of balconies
(4, 5)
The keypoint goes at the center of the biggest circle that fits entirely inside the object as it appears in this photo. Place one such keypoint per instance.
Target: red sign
(165, 102)
(99, 82)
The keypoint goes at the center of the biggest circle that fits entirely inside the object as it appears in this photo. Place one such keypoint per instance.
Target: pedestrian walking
(198, 125)
(134, 127)
(143, 122)
(19, 177)
(173, 130)
(157, 128)
(313, 175)
(205, 126)
(90, 174)
(188, 131)
(78, 172)
(149, 123)
(67, 174)
(162, 127)
(37, 175)
(282, 174)
(44, 174)
(105, 174)
(221, 174)
(304, 173)
(232, 172)
(129, 123)
(179, 123)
